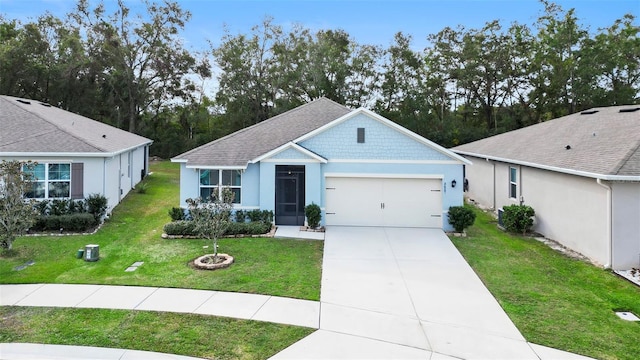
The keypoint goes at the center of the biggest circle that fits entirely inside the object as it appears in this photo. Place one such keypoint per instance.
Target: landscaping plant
(313, 214)
(16, 213)
(211, 218)
(461, 217)
(518, 218)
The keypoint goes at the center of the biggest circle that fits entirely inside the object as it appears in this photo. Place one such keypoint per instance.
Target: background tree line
(134, 72)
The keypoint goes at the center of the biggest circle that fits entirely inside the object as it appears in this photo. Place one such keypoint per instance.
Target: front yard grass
(554, 300)
(183, 334)
(280, 267)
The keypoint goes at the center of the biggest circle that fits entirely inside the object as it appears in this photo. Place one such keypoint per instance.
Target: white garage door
(383, 202)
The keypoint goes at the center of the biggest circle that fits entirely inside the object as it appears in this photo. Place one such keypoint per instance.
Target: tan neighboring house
(581, 174)
(76, 156)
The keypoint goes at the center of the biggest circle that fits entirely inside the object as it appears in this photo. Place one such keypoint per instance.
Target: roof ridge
(53, 124)
(271, 119)
(626, 158)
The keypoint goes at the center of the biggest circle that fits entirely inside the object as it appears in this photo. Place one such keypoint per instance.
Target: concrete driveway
(407, 293)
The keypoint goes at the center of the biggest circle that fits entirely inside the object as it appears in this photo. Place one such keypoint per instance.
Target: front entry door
(289, 195)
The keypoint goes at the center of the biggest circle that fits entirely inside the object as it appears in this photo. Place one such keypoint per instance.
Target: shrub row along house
(359, 167)
(581, 174)
(76, 156)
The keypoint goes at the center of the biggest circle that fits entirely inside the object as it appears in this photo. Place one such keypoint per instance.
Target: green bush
(97, 206)
(254, 215)
(313, 214)
(177, 213)
(70, 222)
(518, 218)
(181, 227)
(267, 216)
(240, 216)
(461, 217)
(185, 227)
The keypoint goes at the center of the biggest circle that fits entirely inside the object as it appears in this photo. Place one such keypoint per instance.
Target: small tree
(16, 213)
(211, 217)
(314, 215)
(461, 217)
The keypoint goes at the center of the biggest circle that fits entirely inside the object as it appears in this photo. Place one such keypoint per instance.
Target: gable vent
(588, 112)
(23, 101)
(629, 110)
(360, 136)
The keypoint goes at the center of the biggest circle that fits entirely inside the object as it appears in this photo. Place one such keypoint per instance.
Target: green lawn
(280, 267)
(183, 334)
(554, 300)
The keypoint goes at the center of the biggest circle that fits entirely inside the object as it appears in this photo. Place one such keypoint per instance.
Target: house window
(49, 181)
(210, 180)
(360, 135)
(513, 183)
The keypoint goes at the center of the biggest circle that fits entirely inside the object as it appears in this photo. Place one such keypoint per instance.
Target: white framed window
(49, 181)
(212, 179)
(513, 182)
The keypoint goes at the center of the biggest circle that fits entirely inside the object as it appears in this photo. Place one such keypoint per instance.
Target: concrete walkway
(387, 293)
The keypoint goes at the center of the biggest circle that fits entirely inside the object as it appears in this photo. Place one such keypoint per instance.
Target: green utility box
(91, 252)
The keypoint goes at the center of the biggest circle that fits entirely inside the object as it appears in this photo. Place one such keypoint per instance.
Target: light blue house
(362, 169)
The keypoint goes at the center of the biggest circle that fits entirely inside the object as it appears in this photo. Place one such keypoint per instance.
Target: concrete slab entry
(290, 311)
(12, 294)
(324, 344)
(59, 295)
(175, 300)
(117, 297)
(628, 316)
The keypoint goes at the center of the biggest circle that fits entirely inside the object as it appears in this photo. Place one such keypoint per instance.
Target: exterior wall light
(453, 183)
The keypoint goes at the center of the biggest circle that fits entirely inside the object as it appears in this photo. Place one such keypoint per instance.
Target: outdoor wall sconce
(453, 183)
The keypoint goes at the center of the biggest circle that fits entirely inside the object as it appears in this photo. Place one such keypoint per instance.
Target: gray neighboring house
(76, 156)
(581, 174)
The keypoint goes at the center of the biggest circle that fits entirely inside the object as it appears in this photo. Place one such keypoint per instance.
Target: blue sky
(367, 21)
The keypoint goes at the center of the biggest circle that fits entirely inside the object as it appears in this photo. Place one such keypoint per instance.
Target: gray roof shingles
(240, 147)
(40, 128)
(606, 142)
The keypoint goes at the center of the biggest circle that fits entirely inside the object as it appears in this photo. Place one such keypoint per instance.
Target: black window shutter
(77, 180)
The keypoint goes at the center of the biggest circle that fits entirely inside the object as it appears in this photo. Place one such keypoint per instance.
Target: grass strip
(182, 334)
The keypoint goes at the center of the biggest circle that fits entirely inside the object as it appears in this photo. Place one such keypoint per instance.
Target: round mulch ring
(205, 262)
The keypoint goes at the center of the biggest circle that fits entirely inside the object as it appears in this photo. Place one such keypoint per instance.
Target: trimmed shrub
(461, 217)
(313, 214)
(254, 215)
(518, 218)
(267, 216)
(240, 216)
(181, 227)
(42, 207)
(177, 214)
(69, 222)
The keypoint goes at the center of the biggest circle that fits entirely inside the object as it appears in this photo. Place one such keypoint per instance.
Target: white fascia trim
(286, 146)
(72, 154)
(384, 176)
(214, 167)
(388, 123)
(422, 162)
(174, 160)
(290, 161)
(554, 168)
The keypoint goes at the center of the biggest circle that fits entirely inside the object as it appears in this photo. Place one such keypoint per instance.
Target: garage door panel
(383, 202)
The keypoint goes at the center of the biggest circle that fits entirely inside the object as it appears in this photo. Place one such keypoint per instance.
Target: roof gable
(384, 140)
(29, 126)
(290, 152)
(601, 141)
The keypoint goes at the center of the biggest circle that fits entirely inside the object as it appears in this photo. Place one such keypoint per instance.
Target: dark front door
(289, 195)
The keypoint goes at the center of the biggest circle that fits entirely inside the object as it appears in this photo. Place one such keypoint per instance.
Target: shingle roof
(29, 126)
(601, 141)
(238, 148)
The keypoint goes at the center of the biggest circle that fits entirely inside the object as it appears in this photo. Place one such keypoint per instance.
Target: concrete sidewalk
(236, 305)
(21, 351)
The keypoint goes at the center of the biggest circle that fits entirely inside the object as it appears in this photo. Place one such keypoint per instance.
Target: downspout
(609, 226)
(493, 163)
